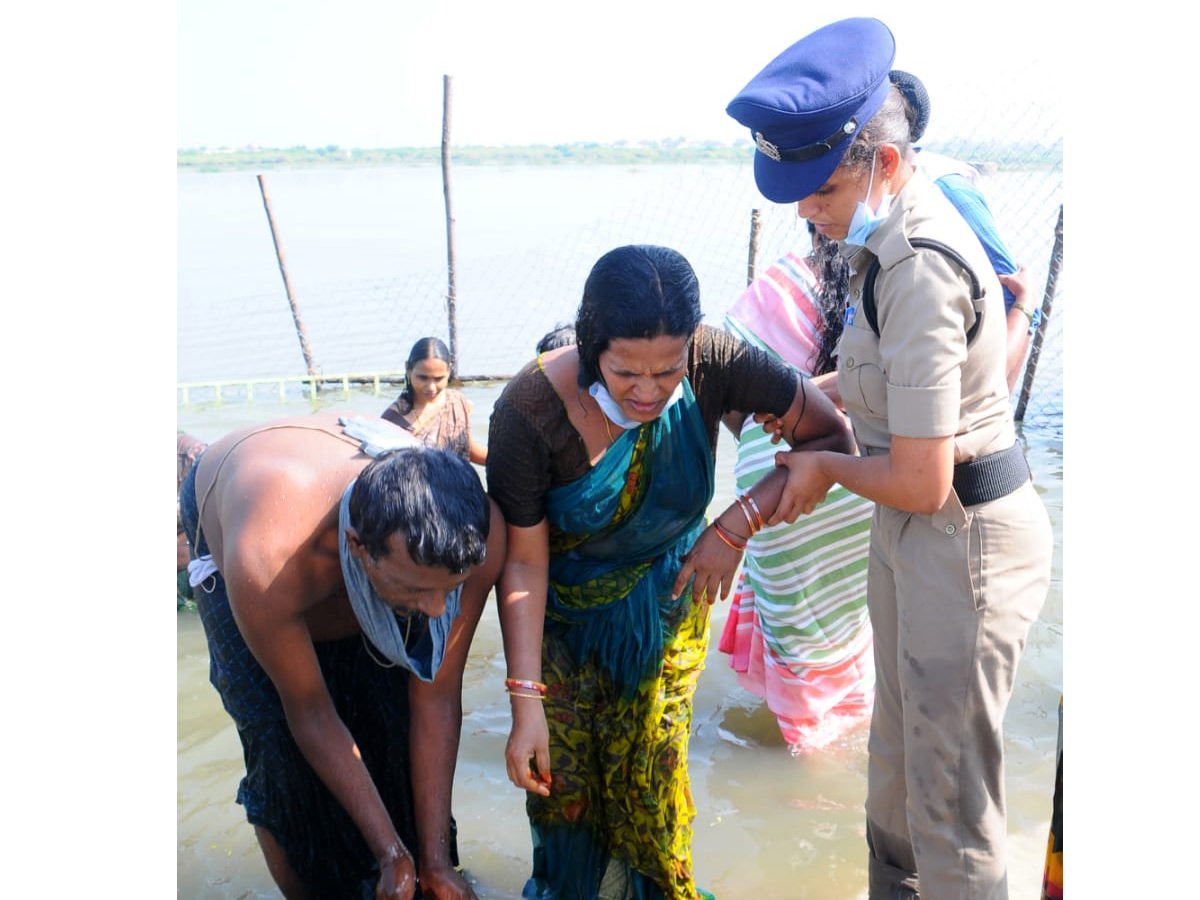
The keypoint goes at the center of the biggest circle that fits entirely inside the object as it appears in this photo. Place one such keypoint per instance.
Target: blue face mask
(864, 221)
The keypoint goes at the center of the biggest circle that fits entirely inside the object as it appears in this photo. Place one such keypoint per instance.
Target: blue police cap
(805, 107)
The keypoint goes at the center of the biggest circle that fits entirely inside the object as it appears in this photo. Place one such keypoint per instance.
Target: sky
(363, 73)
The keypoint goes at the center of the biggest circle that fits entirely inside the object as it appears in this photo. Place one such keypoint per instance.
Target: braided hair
(833, 285)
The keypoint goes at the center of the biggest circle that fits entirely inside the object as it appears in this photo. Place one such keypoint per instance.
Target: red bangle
(527, 685)
(727, 537)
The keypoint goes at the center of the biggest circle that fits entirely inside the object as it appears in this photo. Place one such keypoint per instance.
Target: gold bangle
(513, 693)
(1026, 312)
(746, 512)
(747, 501)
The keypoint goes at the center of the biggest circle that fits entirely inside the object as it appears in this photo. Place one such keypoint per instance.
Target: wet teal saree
(621, 659)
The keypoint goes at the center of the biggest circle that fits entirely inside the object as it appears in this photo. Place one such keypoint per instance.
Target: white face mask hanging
(864, 221)
(613, 410)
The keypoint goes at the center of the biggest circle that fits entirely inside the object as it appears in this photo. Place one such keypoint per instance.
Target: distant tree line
(671, 150)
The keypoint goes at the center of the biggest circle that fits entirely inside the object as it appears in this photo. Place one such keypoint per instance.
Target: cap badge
(766, 147)
(811, 151)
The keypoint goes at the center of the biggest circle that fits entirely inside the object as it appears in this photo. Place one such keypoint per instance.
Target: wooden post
(1056, 258)
(451, 290)
(287, 284)
(755, 232)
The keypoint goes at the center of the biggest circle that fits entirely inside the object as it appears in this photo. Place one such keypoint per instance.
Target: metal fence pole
(1056, 258)
(287, 283)
(755, 234)
(451, 290)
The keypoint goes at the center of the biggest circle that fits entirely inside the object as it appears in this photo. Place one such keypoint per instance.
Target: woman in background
(437, 415)
(798, 633)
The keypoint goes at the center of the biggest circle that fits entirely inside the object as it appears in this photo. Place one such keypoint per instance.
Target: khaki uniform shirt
(919, 379)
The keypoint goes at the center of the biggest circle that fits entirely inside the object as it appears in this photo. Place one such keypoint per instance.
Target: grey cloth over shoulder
(378, 620)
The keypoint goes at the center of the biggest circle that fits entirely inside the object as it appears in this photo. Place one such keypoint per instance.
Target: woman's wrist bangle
(746, 512)
(526, 695)
(753, 513)
(1027, 313)
(728, 538)
(536, 686)
(749, 498)
(735, 536)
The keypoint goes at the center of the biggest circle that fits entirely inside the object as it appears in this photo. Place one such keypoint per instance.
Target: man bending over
(339, 595)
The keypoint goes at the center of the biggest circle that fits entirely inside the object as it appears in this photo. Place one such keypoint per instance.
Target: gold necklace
(607, 427)
(407, 620)
(611, 440)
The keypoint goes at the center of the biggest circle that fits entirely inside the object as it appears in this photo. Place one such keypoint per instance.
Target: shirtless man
(339, 596)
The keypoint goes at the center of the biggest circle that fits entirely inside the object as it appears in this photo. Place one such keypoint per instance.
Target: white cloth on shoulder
(376, 436)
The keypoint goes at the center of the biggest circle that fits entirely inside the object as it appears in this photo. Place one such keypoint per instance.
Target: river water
(769, 826)
(366, 254)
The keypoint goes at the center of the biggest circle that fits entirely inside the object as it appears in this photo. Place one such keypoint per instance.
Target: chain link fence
(505, 301)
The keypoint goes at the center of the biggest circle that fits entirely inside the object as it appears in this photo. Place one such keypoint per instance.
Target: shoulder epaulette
(868, 301)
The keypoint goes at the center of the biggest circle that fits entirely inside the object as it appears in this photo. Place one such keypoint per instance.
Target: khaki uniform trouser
(951, 597)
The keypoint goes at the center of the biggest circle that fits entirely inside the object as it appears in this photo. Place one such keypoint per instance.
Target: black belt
(991, 477)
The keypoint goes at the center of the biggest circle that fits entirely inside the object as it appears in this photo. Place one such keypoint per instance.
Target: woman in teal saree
(601, 456)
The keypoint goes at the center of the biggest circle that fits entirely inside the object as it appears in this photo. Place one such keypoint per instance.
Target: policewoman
(960, 542)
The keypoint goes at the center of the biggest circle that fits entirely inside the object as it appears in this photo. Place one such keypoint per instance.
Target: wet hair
(432, 497)
(637, 291)
(892, 124)
(561, 335)
(833, 285)
(425, 348)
